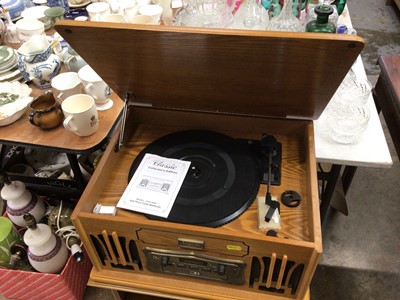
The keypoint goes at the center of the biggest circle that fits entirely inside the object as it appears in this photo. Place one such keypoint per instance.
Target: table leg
(73, 161)
(347, 177)
(331, 178)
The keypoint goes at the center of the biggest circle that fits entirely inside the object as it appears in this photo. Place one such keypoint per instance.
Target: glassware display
(346, 124)
(250, 15)
(286, 20)
(321, 23)
(340, 4)
(311, 15)
(353, 91)
(274, 8)
(347, 113)
(206, 13)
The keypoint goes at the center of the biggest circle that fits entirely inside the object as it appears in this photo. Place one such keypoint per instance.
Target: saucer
(105, 106)
(10, 65)
(80, 4)
(74, 13)
(12, 74)
(6, 53)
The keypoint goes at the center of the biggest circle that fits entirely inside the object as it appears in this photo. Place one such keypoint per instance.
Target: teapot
(37, 62)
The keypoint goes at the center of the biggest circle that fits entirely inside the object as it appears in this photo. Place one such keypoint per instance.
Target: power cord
(71, 237)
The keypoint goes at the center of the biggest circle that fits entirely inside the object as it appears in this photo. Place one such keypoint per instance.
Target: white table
(370, 151)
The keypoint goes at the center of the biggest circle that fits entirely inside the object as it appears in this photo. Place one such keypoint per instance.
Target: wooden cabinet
(239, 83)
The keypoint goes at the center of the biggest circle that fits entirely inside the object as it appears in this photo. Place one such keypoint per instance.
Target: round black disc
(222, 180)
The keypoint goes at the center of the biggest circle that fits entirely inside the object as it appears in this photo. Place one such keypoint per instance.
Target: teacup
(80, 114)
(76, 2)
(142, 19)
(72, 60)
(27, 28)
(114, 18)
(65, 85)
(140, 3)
(45, 111)
(127, 8)
(98, 10)
(37, 13)
(54, 14)
(152, 10)
(95, 87)
(8, 238)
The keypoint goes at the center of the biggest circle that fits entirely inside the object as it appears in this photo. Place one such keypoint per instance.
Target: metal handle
(128, 96)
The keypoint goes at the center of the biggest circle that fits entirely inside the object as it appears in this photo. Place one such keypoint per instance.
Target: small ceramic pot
(45, 112)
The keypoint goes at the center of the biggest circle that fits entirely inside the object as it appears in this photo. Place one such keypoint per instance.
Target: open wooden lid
(275, 74)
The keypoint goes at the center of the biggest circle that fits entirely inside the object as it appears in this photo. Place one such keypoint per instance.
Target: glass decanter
(206, 13)
(285, 21)
(321, 23)
(250, 15)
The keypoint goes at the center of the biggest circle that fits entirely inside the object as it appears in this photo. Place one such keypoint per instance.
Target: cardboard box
(69, 284)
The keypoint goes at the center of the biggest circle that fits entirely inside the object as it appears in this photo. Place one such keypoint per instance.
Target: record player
(189, 91)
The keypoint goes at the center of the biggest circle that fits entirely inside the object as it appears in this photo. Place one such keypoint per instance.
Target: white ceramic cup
(142, 19)
(140, 3)
(65, 85)
(98, 10)
(128, 8)
(80, 114)
(37, 13)
(152, 10)
(26, 28)
(94, 85)
(114, 18)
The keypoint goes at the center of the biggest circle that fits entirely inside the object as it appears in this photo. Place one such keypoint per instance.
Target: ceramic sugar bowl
(47, 252)
(37, 62)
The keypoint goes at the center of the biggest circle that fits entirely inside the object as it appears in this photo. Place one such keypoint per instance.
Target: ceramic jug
(37, 62)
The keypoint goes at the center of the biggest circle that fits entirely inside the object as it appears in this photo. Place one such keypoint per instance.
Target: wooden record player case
(240, 83)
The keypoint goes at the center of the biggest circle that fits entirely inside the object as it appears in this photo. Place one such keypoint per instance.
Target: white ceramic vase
(20, 201)
(47, 252)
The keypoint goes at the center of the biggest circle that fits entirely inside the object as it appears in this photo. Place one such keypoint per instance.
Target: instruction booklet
(155, 185)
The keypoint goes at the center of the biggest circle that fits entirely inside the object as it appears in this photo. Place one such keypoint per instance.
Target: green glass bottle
(322, 23)
(340, 4)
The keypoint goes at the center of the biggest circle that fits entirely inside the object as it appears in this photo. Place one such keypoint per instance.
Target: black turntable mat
(222, 180)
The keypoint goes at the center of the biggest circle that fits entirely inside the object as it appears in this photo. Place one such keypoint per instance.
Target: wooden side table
(387, 99)
(387, 95)
(391, 2)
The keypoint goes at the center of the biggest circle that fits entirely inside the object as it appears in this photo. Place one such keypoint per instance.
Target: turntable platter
(222, 181)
